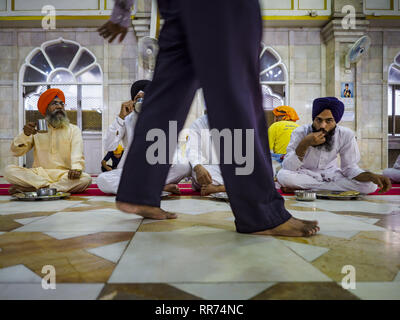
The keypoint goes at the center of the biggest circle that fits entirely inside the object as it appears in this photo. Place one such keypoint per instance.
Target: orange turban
(288, 112)
(48, 96)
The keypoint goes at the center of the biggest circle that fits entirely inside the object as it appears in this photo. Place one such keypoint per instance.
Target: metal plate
(339, 195)
(32, 196)
(220, 195)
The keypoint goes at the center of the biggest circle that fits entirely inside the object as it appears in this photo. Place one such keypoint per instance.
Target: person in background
(279, 133)
(393, 173)
(311, 161)
(58, 154)
(123, 130)
(115, 157)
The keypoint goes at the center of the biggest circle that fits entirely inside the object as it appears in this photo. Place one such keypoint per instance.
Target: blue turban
(331, 103)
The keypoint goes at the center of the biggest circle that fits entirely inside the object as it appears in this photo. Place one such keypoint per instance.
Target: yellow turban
(118, 150)
(288, 112)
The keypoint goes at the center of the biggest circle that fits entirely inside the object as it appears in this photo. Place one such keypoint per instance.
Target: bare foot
(292, 228)
(145, 211)
(17, 189)
(172, 188)
(313, 222)
(210, 188)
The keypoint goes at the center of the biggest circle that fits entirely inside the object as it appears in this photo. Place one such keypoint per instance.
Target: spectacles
(54, 103)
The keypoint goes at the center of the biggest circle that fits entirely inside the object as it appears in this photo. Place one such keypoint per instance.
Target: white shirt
(323, 164)
(121, 130)
(124, 130)
(199, 143)
(397, 163)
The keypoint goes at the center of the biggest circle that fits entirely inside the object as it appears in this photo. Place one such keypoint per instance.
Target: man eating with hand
(311, 159)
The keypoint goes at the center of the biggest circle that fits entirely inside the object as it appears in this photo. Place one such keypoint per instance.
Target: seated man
(206, 176)
(393, 173)
(58, 154)
(279, 133)
(122, 129)
(311, 159)
(115, 157)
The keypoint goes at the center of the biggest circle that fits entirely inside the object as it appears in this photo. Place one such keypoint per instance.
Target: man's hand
(112, 30)
(126, 108)
(383, 182)
(74, 174)
(315, 138)
(30, 128)
(203, 176)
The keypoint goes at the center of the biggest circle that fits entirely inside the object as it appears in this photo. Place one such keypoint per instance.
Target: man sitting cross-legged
(58, 154)
(311, 159)
(123, 130)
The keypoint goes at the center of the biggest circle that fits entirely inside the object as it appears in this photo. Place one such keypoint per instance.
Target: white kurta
(201, 151)
(393, 173)
(319, 168)
(123, 131)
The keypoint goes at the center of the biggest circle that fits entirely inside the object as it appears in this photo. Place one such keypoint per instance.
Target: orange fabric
(288, 112)
(47, 97)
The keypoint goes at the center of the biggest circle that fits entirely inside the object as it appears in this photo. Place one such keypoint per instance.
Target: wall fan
(148, 50)
(357, 50)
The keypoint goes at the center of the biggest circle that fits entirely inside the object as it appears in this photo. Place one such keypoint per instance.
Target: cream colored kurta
(55, 153)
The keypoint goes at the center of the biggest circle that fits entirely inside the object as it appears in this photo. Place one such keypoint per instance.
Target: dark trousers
(215, 45)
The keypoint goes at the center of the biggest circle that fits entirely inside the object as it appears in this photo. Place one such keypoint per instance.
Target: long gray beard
(57, 119)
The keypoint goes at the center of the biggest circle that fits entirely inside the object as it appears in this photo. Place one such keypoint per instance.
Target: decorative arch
(66, 65)
(273, 78)
(394, 71)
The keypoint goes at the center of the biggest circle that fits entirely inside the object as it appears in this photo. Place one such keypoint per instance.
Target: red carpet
(186, 190)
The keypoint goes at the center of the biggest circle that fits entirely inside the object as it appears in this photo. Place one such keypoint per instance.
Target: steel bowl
(305, 195)
(42, 192)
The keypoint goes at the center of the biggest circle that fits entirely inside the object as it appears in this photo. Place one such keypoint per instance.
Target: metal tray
(220, 195)
(32, 196)
(338, 195)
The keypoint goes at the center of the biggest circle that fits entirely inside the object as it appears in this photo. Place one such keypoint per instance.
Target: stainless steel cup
(138, 105)
(41, 126)
(305, 195)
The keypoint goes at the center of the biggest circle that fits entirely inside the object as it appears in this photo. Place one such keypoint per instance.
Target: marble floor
(100, 253)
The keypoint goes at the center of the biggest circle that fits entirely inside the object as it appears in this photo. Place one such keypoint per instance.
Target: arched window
(273, 78)
(66, 65)
(394, 71)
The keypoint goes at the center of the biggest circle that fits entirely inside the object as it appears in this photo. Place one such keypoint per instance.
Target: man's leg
(225, 51)
(299, 181)
(345, 184)
(392, 174)
(63, 184)
(168, 98)
(227, 65)
(26, 177)
(108, 181)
